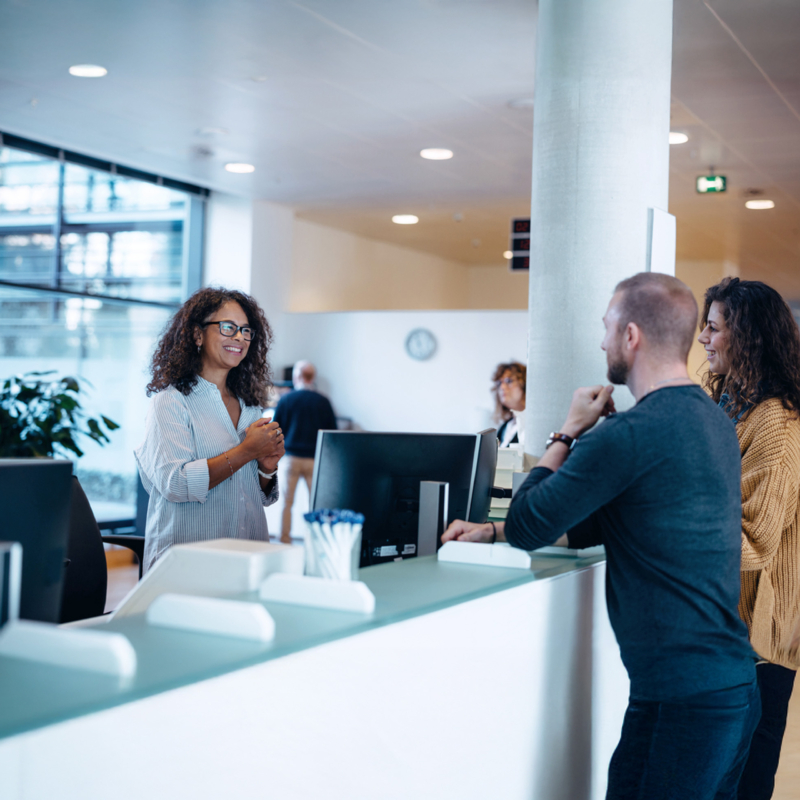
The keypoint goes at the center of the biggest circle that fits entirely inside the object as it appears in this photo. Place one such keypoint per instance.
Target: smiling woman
(209, 459)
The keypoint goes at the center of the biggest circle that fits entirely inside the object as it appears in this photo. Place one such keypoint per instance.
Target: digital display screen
(520, 263)
(520, 226)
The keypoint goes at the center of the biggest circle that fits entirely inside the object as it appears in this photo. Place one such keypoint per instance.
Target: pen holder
(333, 544)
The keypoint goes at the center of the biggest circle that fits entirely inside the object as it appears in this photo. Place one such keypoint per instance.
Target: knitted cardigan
(769, 439)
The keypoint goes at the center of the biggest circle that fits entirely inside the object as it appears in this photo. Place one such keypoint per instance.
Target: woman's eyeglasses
(228, 328)
(506, 381)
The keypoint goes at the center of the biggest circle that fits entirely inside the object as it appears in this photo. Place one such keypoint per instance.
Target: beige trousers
(294, 469)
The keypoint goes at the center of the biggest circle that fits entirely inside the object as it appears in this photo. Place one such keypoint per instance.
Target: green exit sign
(711, 183)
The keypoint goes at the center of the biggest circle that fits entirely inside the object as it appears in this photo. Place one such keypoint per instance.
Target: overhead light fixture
(758, 205)
(507, 254)
(240, 168)
(405, 219)
(88, 71)
(436, 153)
(675, 137)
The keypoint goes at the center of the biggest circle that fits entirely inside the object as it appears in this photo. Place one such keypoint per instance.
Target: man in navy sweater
(301, 414)
(659, 486)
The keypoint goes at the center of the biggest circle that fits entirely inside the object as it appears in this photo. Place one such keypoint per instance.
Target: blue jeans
(758, 779)
(690, 749)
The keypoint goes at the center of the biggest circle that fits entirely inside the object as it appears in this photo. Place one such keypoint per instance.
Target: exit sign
(711, 183)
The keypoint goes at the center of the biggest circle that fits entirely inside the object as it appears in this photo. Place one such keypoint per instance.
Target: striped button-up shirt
(182, 432)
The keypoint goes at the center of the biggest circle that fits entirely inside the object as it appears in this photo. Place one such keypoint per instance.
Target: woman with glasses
(753, 347)
(509, 395)
(209, 459)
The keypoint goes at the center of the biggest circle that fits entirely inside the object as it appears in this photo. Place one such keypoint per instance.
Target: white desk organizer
(211, 569)
(233, 618)
(488, 555)
(318, 592)
(97, 651)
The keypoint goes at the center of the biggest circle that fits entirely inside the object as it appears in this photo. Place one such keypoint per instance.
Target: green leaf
(109, 423)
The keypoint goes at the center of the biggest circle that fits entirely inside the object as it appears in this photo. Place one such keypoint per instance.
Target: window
(94, 260)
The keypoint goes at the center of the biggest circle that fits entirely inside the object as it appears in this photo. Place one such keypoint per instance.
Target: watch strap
(268, 475)
(554, 437)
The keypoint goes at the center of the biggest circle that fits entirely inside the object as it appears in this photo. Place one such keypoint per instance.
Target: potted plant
(43, 417)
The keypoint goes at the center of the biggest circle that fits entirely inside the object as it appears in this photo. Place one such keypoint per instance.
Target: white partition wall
(515, 695)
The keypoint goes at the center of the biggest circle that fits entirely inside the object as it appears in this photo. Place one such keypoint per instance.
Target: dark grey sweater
(659, 486)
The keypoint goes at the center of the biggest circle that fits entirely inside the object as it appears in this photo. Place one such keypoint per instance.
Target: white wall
(368, 376)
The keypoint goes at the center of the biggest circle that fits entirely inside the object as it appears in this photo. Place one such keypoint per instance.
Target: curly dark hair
(177, 362)
(763, 346)
(519, 371)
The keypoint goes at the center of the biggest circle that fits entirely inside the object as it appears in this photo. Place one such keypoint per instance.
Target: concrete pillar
(600, 161)
(249, 247)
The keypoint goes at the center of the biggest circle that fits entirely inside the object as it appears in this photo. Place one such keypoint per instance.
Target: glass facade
(92, 266)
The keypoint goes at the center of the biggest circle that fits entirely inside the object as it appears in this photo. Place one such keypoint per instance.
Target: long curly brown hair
(763, 347)
(519, 371)
(177, 361)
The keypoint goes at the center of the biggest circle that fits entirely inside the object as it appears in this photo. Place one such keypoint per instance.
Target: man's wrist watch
(268, 475)
(569, 441)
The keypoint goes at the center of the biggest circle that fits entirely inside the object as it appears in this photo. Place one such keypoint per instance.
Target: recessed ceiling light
(508, 254)
(676, 137)
(88, 71)
(758, 205)
(521, 102)
(239, 168)
(436, 153)
(405, 219)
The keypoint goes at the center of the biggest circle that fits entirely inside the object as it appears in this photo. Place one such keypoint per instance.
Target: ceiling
(332, 101)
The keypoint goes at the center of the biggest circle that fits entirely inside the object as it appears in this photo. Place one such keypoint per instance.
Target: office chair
(86, 574)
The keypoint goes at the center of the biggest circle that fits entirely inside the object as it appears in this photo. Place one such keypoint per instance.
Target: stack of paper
(509, 460)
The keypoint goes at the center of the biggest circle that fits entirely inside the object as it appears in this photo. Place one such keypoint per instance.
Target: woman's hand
(269, 463)
(263, 442)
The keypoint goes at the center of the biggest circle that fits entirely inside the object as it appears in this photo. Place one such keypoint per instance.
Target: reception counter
(466, 682)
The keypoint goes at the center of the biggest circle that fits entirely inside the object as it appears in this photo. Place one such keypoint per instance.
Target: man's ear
(633, 336)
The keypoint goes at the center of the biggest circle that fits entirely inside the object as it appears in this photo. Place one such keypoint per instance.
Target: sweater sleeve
(549, 504)
(770, 487)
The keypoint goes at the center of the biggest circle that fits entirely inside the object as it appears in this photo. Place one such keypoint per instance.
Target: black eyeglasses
(228, 328)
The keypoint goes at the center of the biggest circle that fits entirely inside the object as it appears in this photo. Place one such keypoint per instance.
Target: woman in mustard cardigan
(753, 347)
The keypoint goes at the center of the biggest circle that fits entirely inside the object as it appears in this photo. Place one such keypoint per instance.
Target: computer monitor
(35, 495)
(378, 474)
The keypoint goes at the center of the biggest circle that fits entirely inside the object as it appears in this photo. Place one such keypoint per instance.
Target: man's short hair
(663, 308)
(304, 372)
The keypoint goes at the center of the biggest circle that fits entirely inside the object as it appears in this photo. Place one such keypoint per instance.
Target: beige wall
(333, 270)
(495, 287)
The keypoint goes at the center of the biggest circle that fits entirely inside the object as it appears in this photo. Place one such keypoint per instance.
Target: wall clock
(420, 344)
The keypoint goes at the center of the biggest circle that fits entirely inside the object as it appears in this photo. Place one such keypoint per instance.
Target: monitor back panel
(35, 496)
(378, 474)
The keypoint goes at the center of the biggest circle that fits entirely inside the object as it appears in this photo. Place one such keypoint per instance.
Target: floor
(122, 579)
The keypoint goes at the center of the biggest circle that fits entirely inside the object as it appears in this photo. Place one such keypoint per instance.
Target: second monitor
(379, 475)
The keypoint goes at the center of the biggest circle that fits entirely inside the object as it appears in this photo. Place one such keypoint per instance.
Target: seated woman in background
(753, 347)
(509, 395)
(208, 460)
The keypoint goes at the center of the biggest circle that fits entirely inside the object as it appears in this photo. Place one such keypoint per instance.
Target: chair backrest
(86, 577)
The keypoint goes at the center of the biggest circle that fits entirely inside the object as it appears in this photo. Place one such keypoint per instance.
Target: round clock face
(420, 344)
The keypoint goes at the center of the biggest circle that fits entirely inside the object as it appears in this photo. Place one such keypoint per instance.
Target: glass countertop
(34, 695)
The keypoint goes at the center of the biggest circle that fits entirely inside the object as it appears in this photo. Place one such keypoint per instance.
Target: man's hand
(472, 531)
(588, 405)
